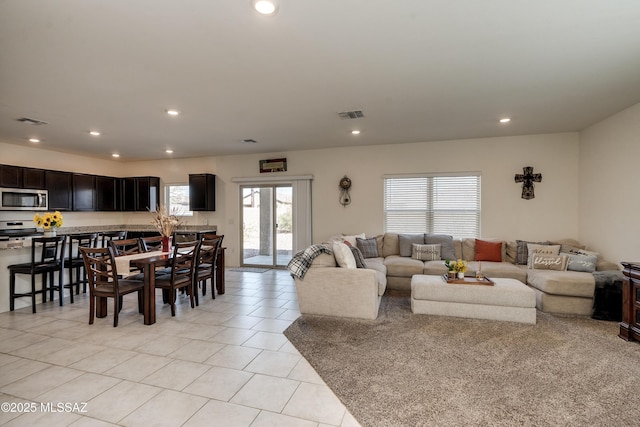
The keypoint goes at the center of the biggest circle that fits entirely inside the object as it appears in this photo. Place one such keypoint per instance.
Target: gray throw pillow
(368, 247)
(585, 263)
(407, 240)
(446, 244)
(522, 253)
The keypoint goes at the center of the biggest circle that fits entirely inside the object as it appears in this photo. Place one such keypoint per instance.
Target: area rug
(250, 269)
(420, 370)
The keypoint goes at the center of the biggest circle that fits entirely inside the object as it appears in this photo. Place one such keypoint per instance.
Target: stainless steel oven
(16, 199)
(17, 233)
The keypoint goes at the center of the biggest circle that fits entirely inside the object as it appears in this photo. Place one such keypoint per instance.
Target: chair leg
(194, 291)
(140, 301)
(92, 308)
(61, 286)
(33, 291)
(191, 297)
(172, 301)
(12, 291)
(204, 287)
(116, 310)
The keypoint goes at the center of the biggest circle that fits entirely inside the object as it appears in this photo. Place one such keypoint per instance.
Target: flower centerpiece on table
(456, 267)
(166, 223)
(49, 221)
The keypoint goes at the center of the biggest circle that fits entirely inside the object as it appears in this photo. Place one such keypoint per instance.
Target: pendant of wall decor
(527, 179)
(345, 186)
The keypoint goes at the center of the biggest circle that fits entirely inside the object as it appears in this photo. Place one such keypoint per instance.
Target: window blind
(438, 204)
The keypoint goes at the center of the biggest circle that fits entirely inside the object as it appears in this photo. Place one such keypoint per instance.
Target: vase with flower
(166, 223)
(49, 221)
(456, 268)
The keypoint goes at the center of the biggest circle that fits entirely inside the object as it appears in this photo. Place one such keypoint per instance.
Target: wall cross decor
(527, 179)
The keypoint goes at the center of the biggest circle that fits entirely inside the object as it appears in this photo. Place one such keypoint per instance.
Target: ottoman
(509, 299)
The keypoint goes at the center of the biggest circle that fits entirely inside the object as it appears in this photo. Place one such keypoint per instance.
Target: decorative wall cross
(527, 179)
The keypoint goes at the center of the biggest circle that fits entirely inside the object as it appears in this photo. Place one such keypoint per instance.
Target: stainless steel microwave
(17, 199)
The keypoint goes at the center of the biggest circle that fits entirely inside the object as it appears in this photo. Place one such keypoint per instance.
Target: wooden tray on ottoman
(468, 280)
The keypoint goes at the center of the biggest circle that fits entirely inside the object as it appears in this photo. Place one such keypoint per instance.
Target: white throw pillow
(352, 239)
(343, 255)
(541, 250)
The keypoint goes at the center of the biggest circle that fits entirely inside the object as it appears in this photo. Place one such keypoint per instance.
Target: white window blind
(438, 204)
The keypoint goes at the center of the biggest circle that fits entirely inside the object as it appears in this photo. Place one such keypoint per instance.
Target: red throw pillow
(488, 251)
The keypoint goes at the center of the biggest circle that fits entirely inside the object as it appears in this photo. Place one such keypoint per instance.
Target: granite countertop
(130, 227)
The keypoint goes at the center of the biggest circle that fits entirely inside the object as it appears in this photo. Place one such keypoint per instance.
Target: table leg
(149, 305)
(101, 307)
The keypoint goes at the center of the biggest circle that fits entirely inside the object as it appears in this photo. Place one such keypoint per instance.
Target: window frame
(167, 198)
(455, 211)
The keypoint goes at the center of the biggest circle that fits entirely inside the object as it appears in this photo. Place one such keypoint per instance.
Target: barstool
(108, 236)
(75, 261)
(51, 259)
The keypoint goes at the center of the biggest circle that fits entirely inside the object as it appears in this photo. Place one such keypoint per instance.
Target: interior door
(267, 231)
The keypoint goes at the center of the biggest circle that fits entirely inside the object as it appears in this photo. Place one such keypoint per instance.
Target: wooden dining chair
(47, 258)
(181, 274)
(126, 246)
(104, 281)
(206, 266)
(153, 243)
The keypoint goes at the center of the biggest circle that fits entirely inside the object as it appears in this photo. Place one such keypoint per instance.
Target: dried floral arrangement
(165, 222)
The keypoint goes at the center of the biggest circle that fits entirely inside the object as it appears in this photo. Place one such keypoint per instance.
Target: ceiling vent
(349, 115)
(249, 141)
(31, 121)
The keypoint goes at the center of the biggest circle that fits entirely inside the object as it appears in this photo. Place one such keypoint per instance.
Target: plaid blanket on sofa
(301, 262)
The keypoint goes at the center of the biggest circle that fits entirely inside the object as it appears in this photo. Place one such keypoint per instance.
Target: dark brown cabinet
(106, 193)
(33, 178)
(140, 193)
(630, 325)
(84, 190)
(59, 185)
(202, 192)
(10, 176)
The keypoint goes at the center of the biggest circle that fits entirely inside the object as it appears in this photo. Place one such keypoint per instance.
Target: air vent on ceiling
(355, 114)
(250, 141)
(31, 121)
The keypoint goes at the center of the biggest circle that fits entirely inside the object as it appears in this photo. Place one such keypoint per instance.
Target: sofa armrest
(335, 291)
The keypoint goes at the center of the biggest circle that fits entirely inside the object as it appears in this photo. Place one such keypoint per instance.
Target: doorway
(267, 225)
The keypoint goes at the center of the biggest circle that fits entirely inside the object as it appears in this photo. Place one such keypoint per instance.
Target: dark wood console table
(630, 325)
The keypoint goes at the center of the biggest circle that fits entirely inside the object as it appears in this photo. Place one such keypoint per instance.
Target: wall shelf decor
(273, 165)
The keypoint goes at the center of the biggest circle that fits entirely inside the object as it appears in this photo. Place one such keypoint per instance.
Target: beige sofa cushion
(403, 266)
(391, 245)
(324, 260)
(498, 269)
(568, 283)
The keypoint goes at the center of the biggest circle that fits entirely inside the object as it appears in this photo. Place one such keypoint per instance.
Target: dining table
(149, 262)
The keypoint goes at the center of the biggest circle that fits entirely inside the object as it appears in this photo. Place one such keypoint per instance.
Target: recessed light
(34, 140)
(168, 151)
(173, 112)
(505, 120)
(265, 7)
(355, 132)
(115, 155)
(94, 133)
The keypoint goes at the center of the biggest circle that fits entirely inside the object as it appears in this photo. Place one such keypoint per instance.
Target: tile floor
(224, 363)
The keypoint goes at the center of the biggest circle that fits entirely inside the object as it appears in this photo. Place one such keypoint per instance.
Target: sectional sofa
(330, 289)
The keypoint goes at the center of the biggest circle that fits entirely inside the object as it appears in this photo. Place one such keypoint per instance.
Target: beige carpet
(420, 370)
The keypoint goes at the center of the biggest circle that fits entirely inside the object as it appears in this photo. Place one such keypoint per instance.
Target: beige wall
(609, 215)
(552, 214)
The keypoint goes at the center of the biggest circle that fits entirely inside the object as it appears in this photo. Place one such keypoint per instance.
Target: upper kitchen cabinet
(10, 176)
(33, 178)
(84, 191)
(60, 188)
(202, 192)
(106, 193)
(140, 193)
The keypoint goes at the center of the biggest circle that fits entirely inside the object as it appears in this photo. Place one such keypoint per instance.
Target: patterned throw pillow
(535, 249)
(425, 252)
(522, 254)
(549, 262)
(584, 263)
(357, 255)
(368, 247)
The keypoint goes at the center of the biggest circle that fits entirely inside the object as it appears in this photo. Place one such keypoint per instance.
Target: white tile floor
(224, 363)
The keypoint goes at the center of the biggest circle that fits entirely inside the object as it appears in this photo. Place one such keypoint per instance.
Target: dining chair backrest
(184, 236)
(184, 261)
(126, 246)
(108, 236)
(153, 243)
(100, 266)
(210, 244)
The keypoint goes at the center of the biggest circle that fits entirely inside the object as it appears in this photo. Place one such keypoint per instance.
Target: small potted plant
(452, 267)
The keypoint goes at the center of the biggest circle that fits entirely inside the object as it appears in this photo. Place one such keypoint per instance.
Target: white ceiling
(420, 70)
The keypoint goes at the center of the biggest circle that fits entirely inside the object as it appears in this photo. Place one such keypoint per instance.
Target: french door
(267, 225)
